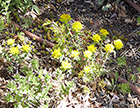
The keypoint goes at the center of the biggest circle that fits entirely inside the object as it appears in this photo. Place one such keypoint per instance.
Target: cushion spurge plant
(65, 18)
(75, 56)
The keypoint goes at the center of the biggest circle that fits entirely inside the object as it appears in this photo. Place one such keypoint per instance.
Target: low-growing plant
(30, 90)
(121, 61)
(124, 88)
(79, 57)
(138, 69)
(138, 20)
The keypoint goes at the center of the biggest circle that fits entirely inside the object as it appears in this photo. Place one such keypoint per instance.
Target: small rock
(128, 20)
(70, 0)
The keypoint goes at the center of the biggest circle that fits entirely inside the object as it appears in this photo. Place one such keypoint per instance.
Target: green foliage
(9, 6)
(133, 78)
(121, 61)
(66, 87)
(138, 69)
(73, 50)
(138, 20)
(29, 90)
(100, 2)
(36, 9)
(124, 88)
(1, 23)
(106, 7)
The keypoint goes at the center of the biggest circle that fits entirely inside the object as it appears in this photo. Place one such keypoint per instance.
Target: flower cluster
(26, 48)
(77, 26)
(65, 18)
(118, 44)
(109, 48)
(104, 32)
(96, 38)
(75, 53)
(87, 54)
(92, 48)
(10, 41)
(66, 65)
(56, 53)
(14, 50)
(86, 69)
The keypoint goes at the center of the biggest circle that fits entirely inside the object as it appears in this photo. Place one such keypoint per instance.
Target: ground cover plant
(81, 56)
(77, 57)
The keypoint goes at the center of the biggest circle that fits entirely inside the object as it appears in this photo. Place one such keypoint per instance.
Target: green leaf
(138, 19)
(138, 69)
(116, 76)
(105, 8)
(121, 61)
(36, 9)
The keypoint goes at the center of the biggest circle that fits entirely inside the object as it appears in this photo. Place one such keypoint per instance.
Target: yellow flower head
(26, 48)
(65, 18)
(77, 26)
(92, 48)
(14, 50)
(10, 41)
(104, 32)
(96, 38)
(80, 74)
(86, 90)
(86, 69)
(56, 53)
(87, 54)
(65, 65)
(118, 44)
(109, 48)
(75, 53)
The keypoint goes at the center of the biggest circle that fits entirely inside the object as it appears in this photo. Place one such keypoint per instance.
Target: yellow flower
(10, 41)
(109, 47)
(87, 54)
(80, 74)
(118, 44)
(104, 32)
(65, 18)
(14, 50)
(86, 89)
(26, 48)
(86, 69)
(65, 65)
(75, 53)
(96, 38)
(92, 48)
(56, 53)
(77, 26)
